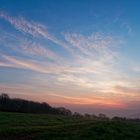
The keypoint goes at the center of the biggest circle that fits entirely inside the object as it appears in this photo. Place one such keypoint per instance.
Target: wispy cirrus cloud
(94, 46)
(26, 46)
(28, 64)
(128, 27)
(32, 28)
(32, 48)
(42, 67)
(98, 48)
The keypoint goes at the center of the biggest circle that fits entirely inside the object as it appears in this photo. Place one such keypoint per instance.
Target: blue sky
(81, 54)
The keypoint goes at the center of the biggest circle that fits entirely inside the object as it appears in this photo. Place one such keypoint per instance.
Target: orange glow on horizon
(99, 102)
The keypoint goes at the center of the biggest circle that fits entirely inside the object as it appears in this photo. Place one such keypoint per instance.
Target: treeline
(8, 104)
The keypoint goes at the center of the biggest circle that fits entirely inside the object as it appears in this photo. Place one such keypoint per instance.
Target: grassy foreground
(20, 126)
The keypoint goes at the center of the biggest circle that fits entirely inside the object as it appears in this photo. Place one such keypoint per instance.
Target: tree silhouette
(25, 106)
(4, 96)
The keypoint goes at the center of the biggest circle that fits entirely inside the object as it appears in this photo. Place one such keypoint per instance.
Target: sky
(80, 54)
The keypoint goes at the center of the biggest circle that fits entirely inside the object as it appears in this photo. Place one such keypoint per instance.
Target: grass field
(20, 126)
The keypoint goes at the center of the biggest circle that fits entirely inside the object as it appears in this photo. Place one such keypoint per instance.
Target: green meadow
(23, 126)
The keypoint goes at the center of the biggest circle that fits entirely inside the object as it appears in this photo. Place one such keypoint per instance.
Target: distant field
(21, 126)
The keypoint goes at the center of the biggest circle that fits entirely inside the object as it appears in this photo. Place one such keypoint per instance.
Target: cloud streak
(24, 64)
(95, 45)
(32, 28)
(32, 48)
(23, 25)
